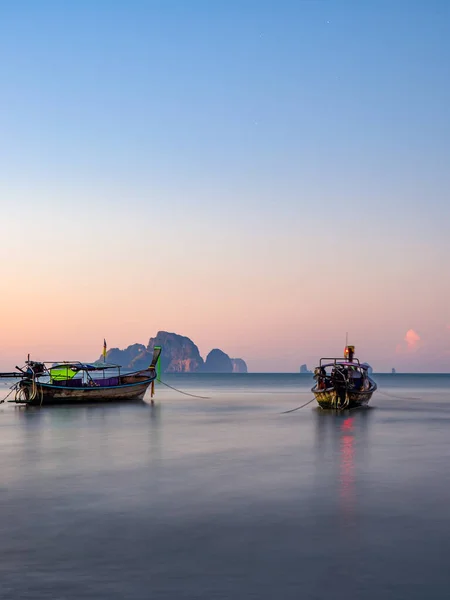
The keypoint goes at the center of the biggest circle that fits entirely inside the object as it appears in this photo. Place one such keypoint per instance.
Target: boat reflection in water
(347, 466)
(341, 450)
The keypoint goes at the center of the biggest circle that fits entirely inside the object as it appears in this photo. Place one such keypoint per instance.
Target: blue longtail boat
(42, 383)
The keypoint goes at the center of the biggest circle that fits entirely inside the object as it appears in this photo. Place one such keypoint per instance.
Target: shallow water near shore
(226, 497)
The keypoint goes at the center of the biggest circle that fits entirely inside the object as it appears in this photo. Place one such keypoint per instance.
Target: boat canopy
(64, 371)
(347, 364)
(78, 366)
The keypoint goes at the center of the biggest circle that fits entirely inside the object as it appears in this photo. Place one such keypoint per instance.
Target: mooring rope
(399, 397)
(181, 391)
(8, 395)
(298, 407)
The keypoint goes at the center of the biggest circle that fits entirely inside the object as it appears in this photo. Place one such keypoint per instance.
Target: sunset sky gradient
(259, 176)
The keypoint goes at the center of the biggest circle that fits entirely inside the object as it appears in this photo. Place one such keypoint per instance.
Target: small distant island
(179, 355)
(304, 369)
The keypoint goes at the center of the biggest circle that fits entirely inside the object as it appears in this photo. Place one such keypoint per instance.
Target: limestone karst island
(179, 355)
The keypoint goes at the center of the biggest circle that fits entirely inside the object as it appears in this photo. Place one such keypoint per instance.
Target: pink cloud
(412, 339)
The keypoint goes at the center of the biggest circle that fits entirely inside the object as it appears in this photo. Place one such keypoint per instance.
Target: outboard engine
(35, 368)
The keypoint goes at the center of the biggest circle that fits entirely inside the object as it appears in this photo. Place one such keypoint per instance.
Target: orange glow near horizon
(239, 290)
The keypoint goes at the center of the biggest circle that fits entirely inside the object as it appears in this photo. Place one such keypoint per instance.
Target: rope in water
(399, 397)
(7, 396)
(298, 407)
(181, 392)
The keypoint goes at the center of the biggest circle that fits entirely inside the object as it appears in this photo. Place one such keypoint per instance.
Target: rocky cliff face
(218, 362)
(179, 355)
(124, 358)
(141, 361)
(239, 365)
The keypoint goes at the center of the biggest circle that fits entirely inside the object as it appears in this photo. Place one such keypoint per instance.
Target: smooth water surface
(228, 498)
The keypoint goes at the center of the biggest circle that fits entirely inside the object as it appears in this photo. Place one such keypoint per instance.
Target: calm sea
(226, 497)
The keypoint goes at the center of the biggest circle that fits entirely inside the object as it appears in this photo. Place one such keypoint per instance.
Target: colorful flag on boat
(104, 350)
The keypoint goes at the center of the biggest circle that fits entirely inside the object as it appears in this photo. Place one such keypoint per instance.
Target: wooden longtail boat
(343, 382)
(43, 383)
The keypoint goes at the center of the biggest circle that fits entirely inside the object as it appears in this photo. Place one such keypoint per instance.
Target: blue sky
(226, 154)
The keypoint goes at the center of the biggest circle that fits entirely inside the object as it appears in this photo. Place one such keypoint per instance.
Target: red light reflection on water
(347, 425)
(347, 453)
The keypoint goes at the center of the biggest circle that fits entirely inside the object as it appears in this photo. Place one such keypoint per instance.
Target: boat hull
(40, 394)
(332, 399)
